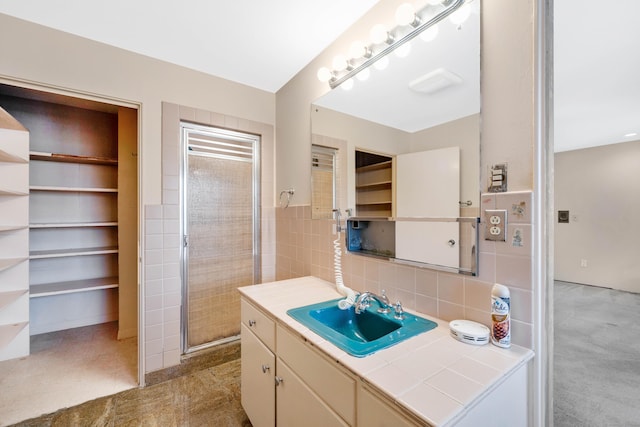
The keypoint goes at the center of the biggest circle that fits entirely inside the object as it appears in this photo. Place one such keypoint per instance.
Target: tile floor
(66, 368)
(210, 397)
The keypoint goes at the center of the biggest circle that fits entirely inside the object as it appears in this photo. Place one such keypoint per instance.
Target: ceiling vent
(435, 81)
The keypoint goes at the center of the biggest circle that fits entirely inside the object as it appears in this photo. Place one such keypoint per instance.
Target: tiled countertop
(432, 375)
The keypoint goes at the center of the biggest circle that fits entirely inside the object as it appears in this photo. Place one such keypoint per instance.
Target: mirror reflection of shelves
(374, 185)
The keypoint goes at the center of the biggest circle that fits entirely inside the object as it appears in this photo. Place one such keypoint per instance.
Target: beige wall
(37, 54)
(599, 187)
(508, 134)
(507, 129)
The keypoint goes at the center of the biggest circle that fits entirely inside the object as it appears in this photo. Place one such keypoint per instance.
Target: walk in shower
(221, 229)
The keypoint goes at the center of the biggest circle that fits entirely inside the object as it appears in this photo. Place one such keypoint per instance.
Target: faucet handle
(384, 303)
(398, 310)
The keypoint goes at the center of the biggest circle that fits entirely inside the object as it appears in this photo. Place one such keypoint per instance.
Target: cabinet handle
(252, 322)
(265, 368)
(278, 380)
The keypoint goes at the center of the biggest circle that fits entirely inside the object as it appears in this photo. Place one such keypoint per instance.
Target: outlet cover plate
(495, 225)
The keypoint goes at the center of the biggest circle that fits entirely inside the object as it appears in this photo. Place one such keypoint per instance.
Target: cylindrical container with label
(500, 316)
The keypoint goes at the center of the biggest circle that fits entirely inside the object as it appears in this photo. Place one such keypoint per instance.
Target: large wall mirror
(420, 107)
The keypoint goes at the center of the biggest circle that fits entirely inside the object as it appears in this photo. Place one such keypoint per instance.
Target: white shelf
(61, 288)
(11, 158)
(73, 189)
(73, 224)
(8, 332)
(12, 227)
(10, 296)
(5, 192)
(71, 158)
(6, 263)
(60, 253)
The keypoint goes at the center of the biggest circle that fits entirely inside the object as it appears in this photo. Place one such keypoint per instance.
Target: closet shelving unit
(100, 227)
(14, 238)
(80, 260)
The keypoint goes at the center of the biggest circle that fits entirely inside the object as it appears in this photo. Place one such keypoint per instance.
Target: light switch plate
(495, 221)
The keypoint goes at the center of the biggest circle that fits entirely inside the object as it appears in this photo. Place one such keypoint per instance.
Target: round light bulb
(379, 34)
(357, 49)
(405, 14)
(347, 85)
(430, 33)
(340, 63)
(460, 15)
(324, 74)
(381, 63)
(363, 75)
(403, 51)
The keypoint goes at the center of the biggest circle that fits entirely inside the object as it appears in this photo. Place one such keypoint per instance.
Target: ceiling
(259, 43)
(597, 67)
(263, 44)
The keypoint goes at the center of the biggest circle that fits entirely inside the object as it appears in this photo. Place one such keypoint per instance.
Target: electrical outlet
(495, 225)
(583, 263)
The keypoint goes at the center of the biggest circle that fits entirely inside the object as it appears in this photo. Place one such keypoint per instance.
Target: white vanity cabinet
(375, 411)
(258, 362)
(273, 393)
(287, 382)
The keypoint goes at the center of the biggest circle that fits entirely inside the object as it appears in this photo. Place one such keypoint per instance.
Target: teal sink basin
(359, 334)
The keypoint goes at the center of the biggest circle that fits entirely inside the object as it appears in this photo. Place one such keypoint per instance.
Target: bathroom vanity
(291, 376)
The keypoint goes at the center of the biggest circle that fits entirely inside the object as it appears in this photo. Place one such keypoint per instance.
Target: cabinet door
(257, 380)
(374, 412)
(298, 406)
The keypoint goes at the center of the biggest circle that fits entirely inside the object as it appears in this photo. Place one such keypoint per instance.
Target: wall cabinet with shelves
(74, 214)
(374, 185)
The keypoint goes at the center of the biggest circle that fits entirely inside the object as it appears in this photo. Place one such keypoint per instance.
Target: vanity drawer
(259, 323)
(326, 379)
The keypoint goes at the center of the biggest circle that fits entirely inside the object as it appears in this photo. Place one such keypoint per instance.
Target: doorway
(79, 275)
(221, 230)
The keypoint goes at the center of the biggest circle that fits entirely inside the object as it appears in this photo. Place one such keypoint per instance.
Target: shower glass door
(221, 231)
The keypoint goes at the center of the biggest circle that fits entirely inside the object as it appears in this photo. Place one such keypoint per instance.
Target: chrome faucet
(364, 301)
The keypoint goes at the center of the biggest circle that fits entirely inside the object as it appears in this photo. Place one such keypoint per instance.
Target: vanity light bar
(451, 6)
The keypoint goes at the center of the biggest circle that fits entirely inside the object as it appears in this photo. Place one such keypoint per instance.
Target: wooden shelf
(73, 225)
(73, 189)
(11, 158)
(60, 253)
(6, 263)
(71, 158)
(374, 185)
(377, 166)
(378, 202)
(61, 288)
(7, 297)
(12, 227)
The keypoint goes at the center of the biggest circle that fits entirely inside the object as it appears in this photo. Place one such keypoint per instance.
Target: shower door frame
(232, 135)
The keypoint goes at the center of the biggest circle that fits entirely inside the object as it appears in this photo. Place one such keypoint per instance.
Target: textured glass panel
(220, 227)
